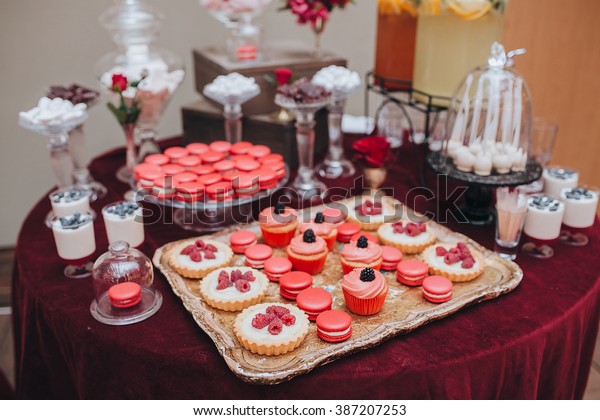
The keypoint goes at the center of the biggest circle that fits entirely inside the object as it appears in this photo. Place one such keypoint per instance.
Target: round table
(535, 342)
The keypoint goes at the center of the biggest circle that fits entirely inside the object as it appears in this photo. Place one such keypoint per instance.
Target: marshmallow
(337, 80)
(231, 88)
(55, 111)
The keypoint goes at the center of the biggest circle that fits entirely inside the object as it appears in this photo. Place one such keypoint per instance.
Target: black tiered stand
(478, 197)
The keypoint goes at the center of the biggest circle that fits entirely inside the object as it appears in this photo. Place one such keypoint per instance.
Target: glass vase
(335, 164)
(125, 173)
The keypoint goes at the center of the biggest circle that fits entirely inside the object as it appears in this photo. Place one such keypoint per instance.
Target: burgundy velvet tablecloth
(535, 342)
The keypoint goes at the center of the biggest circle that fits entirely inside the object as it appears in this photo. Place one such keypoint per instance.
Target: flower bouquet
(374, 153)
(127, 111)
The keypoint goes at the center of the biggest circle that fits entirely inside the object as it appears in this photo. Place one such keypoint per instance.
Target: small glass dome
(489, 119)
(123, 280)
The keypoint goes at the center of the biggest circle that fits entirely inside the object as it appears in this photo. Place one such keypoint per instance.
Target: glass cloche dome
(489, 119)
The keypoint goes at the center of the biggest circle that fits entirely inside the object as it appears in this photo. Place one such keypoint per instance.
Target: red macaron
(241, 240)
(219, 191)
(157, 159)
(270, 158)
(224, 166)
(241, 148)
(245, 185)
(411, 272)
(346, 231)
(147, 174)
(294, 282)
(277, 167)
(334, 326)
(313, 301)
(203, 169)
(267, 179)
(275, 267)
(437, 289)
(125, 295)
(332, 215)
(256, 255)
(391, 257)
(259, 151)
(176, 153)
(210, 156)
(210, 178)
(220, 146)
(172, 169)
(247, 164)
(184, 177)
(164, 187)
(190, 192)
(189, 161)
(197, 148)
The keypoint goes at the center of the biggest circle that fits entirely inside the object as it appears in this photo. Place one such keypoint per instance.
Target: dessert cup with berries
(308, 252)
(361, 253)
(408, 237)
(270, 329)
(457, 262)
(234, 288)
(365, 290)
(196, 258)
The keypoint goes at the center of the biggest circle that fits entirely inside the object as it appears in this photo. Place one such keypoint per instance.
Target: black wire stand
(478, 197)
(404, 96)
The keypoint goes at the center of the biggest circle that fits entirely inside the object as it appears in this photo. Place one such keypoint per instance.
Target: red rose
(119, 82)
(374, 150)
(283, 76)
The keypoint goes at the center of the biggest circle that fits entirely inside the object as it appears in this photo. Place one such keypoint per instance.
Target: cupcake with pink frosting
(308, 252)
(321, 228)
(365, 290)
(361, 253)
(278, 225)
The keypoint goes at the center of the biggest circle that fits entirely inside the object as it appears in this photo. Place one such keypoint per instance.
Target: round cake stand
(104, 312)
(211, 216)
(478, 198)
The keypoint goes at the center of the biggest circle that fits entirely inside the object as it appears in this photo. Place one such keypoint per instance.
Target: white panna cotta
(74, 236)
(580, 207)
(123, 221)
(69, 201)
(544, 218)
(557, 179)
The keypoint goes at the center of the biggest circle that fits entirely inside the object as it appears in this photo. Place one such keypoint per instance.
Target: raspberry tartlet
(457, 262)
(408, 237)
(269, 329)
(361, 253)
(369, 215)
(196, 258)
(234, 288)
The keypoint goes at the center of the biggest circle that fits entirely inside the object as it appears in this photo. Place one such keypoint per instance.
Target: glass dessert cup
(58, 146)
(75, 243)
(335, 165)
(232, 111)
(542, 226)
(123, 221)
(580, 214)
(305, 183)
(122, 264)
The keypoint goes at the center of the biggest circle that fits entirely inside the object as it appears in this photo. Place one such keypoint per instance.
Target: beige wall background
(58, 42)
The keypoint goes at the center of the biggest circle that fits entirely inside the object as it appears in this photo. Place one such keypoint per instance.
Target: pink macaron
(247, 164)
(346, 231)
(211, 156)
(411, 272)
(197, 148)
(275, 267)
(259, 151)
(256, 255)
(125, 295)
(313, 301)
(437, 289)
(294, 282)
(157, 159)
(334, 326)
(176, 153)
(220, 146)
(241, 148)
(333, 215)
(391, 257)
(242, 240)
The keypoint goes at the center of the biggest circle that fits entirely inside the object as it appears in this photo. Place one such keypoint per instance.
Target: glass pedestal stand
(58, 146)
(335, 164)
(83, 178)
(232, 111)
(305, 184)
(477, 209)
(125, 173)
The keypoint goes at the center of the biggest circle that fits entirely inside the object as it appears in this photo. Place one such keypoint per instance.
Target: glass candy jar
(123, 281)
(489, 119)
(134, 27)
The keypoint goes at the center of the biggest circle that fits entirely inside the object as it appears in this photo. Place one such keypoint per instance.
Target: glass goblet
(75, 242)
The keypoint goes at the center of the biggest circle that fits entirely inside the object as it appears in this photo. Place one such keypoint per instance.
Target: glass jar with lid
(489, 120)
(123, 280)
